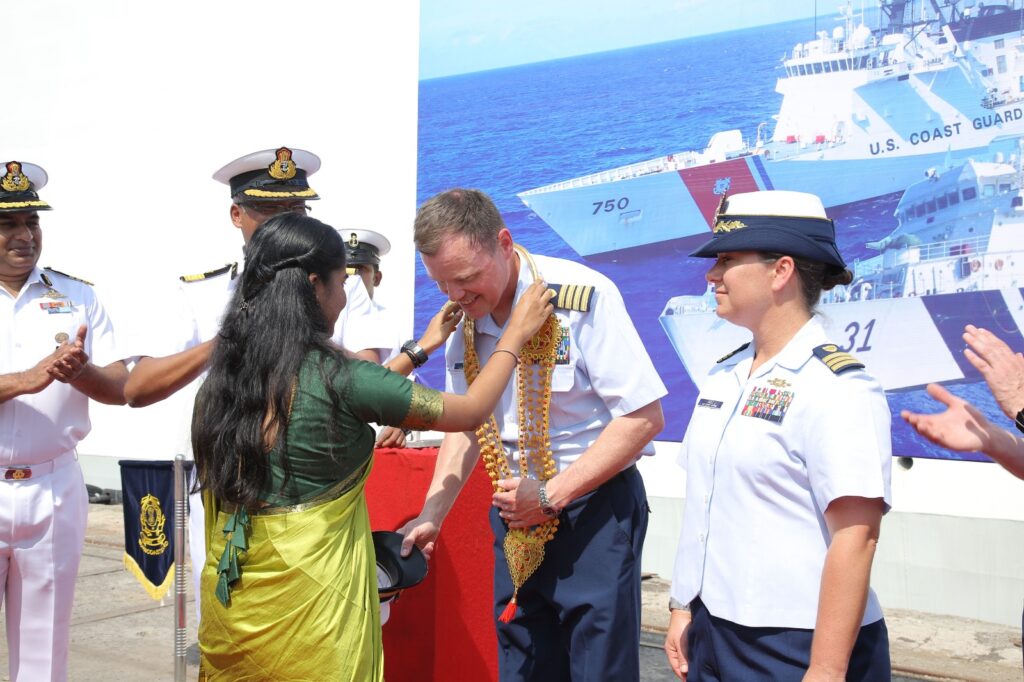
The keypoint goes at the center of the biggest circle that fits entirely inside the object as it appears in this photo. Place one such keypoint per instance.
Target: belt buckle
(17, 474)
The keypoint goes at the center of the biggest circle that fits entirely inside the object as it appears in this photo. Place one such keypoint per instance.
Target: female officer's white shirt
(765, 456)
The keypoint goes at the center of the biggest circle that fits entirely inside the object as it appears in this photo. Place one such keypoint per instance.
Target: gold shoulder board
(732, 353)
(572, 296)
(64, 274)
(230, 267)
(835, 359)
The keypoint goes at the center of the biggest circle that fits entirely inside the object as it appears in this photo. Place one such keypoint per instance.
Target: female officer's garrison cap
(774, 221)
(19, 183)
(271, 175)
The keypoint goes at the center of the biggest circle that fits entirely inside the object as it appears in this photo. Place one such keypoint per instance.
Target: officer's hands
(675, 643)
(1002, 369)
(519, 504)
(441, 327)
(422, 532)
(961, 427)
(390, 437)
(38, 377)
(70, 358)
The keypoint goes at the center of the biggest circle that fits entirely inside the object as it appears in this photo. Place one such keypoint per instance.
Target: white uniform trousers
(42, 530)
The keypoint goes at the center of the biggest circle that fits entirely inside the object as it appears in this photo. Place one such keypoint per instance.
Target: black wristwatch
(415, 353)
(1019, 421)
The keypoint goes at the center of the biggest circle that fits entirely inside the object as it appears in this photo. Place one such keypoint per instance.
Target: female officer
(788, 464)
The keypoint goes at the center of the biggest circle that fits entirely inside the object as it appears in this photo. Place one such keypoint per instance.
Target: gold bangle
(505, 350)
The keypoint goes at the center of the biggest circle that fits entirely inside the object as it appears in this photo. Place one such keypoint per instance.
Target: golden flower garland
(524, 547)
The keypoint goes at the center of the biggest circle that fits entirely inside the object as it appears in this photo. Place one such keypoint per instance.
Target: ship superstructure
(864, 113)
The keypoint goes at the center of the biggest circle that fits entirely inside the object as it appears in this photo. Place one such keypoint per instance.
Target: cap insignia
(15, 180)
(353, 240)
(283, 168)
(722, 226)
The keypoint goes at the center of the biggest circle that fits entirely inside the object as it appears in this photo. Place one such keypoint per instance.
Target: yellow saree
(305, 607)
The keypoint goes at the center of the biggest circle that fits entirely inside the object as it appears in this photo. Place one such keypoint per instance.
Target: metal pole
(180, 522)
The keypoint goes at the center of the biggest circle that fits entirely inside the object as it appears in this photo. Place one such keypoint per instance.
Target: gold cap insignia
(152, 539)
(283, 168)
(21, 474)
(728, 226)
(15, 180)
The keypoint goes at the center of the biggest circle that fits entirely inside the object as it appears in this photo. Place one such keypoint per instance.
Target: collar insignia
(15, 180)
(283, 168)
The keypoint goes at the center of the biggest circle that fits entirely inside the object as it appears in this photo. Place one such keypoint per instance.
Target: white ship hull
(904, 342)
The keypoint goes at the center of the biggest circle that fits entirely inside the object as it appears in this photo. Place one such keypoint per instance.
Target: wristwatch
(545, 504)
(415, 353)
(1019, 421)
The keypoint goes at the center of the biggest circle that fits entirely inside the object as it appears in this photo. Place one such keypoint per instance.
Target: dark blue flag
(148, 493)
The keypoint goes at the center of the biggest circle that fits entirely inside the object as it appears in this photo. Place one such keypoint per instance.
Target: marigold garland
(524, 547)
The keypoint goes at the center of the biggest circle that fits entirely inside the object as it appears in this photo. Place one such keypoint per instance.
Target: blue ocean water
(513, 129)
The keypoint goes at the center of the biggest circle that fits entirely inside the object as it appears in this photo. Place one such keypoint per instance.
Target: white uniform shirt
(606, 372)
(764, 457)
(359, 326)
(39, 427)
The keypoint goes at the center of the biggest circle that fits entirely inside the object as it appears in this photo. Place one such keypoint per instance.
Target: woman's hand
(530, 313)
(441, 327)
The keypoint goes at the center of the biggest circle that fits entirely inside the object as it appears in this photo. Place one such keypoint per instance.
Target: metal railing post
(180, 523)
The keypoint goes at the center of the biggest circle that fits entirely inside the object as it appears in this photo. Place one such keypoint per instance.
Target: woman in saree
(283, 450)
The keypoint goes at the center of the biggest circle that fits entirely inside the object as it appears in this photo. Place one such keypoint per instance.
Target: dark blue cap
(774, 221)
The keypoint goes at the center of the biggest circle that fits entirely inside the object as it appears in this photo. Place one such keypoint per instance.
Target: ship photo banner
(608, 134)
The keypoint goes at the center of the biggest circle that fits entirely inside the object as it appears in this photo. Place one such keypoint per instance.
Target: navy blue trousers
(719, 649)
(579, 614)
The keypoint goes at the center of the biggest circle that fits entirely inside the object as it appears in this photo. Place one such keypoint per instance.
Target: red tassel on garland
(510, 611)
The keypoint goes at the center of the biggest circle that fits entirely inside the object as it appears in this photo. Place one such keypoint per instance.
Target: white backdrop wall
(131, 107)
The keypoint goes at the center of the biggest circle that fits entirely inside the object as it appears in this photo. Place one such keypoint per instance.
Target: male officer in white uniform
(578, 615)
(263, 184)
(363, 251)
(56, 352)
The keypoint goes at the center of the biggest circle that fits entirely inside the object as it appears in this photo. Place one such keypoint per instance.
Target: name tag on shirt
(53, 307)
(770, 404)
(710, 404)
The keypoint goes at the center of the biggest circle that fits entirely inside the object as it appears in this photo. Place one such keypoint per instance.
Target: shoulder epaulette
(230, 267)
(835, 359)
(64, 274)
(572, 296)
(729, 355)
